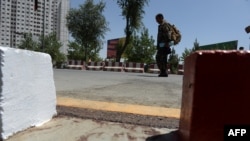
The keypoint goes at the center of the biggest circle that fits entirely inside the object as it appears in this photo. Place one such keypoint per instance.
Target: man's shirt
(163, 34)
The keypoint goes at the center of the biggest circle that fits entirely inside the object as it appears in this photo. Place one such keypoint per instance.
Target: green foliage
(132, 11)
(75, 51)
(120, 46)
(173, 61)
(87, 26)
(48, 44)
(93, 53)
(141, 49)
(28, 43)
(52, 45)
(187, 52)
(196, 45)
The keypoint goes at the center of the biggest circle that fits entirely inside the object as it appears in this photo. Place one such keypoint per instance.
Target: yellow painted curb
(119, 107)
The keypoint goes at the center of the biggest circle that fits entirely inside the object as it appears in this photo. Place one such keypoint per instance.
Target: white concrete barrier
(113, 66)
(134, 67)
(27, 94)
(153, 68)
(94, 66)
(76, 64)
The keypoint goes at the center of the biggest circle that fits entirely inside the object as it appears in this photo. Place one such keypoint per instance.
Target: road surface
(120, 87)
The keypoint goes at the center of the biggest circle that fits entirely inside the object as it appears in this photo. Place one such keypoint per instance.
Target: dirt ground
(152, 121)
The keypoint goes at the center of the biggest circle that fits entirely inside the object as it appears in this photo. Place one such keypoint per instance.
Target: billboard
(111, 49)
(230, 45)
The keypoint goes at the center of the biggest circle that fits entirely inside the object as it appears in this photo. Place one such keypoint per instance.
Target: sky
(208, 21)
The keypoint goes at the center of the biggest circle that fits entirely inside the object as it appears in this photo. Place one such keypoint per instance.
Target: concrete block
(27, 94)
(215, 93)
(134, 67)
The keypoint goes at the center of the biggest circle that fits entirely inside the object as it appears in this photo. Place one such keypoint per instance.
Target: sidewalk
(82, 120)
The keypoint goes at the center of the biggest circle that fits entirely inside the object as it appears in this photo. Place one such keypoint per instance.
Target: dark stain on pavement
(86, 137)
(151, 132)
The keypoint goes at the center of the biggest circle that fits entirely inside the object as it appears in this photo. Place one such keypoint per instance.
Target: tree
(28, 43)
(87, 26)
(93, 53)
(187, 52)
(48, 44)
(141, 49)
(132, 11)
(173, 61)
(51, 45)
(196, 45)
(75, 51)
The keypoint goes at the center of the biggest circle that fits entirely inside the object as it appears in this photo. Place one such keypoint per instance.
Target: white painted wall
(27, 94)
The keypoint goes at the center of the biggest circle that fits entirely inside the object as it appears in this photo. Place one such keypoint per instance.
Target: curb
(119, 107)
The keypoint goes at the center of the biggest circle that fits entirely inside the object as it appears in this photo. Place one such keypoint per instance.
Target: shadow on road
(172, 136)
(148, 75)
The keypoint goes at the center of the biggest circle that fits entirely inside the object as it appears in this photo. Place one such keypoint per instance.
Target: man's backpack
(175, 34)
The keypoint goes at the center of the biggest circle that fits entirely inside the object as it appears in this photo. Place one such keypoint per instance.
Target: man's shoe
(163, 75)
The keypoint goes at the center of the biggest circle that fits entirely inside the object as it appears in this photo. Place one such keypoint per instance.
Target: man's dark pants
(161, 59)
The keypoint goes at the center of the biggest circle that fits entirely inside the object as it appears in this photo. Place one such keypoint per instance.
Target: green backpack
(175, 34)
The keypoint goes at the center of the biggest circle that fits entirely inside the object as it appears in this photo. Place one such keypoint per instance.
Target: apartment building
(38, 17)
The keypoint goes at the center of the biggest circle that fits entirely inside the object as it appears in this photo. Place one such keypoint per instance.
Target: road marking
(119, 107)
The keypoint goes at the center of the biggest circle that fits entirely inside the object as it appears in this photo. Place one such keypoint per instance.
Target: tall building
(38, 17)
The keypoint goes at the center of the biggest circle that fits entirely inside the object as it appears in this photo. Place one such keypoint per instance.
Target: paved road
(120, 87)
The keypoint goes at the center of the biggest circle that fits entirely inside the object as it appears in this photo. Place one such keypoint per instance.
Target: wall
(27, 94)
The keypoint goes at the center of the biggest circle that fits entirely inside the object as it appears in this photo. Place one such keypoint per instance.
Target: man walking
(163, 45)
